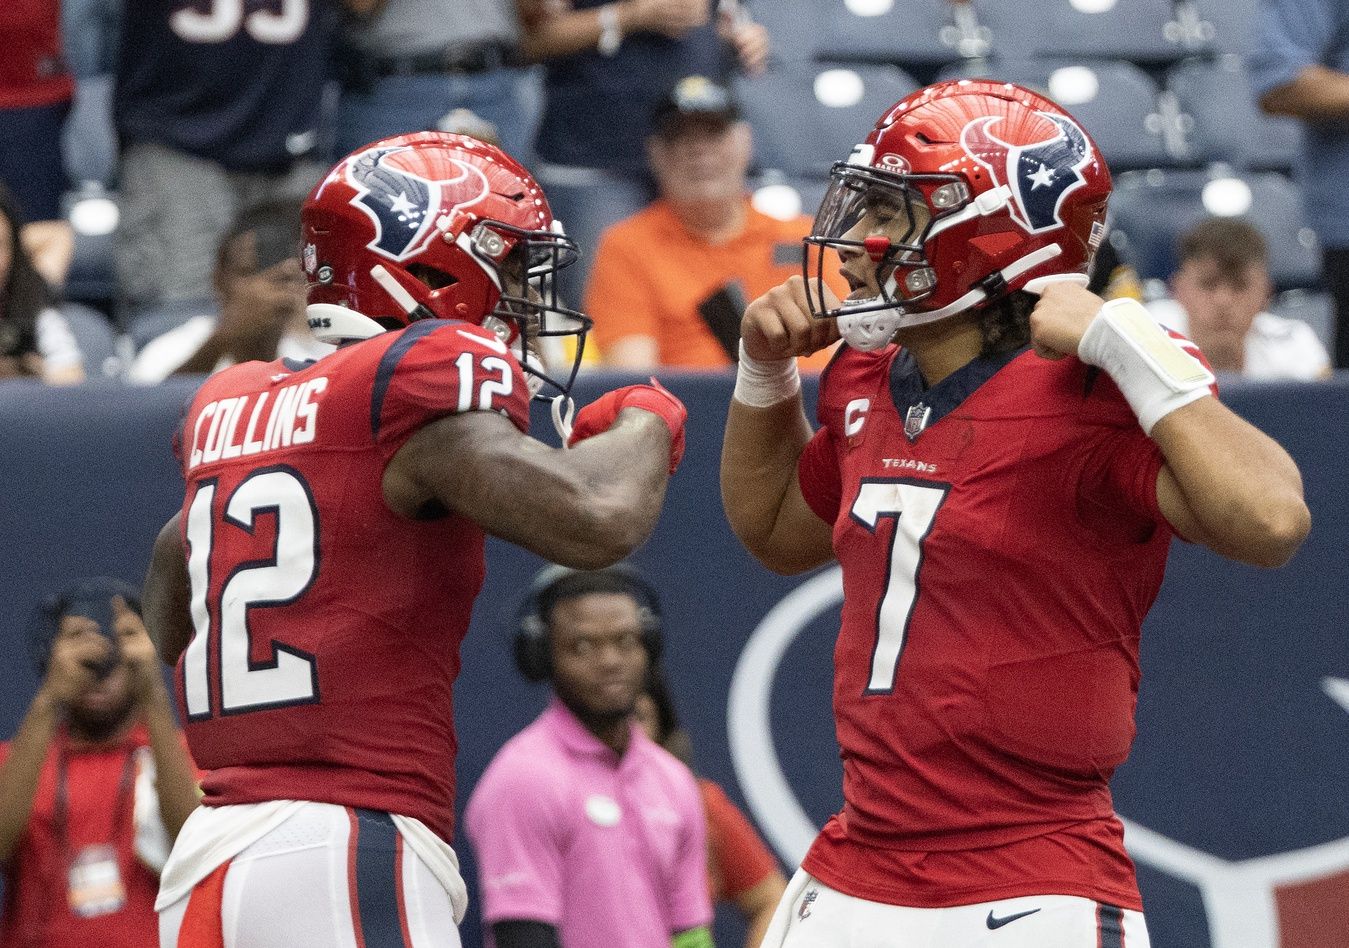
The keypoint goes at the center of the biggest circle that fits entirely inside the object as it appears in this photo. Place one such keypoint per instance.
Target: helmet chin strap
(874, 329)
(561, 408)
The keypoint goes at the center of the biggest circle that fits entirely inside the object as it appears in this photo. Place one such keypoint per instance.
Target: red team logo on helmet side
(1039, 175)
(404, 204)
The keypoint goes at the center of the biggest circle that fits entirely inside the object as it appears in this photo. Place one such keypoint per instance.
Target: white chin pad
(870, 331)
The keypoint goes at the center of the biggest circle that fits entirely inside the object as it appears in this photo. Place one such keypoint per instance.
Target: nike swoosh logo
(994, 922)
(493, 343)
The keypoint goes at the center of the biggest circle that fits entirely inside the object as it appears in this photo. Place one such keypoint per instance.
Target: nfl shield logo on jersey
(803, 912)
(915, 420)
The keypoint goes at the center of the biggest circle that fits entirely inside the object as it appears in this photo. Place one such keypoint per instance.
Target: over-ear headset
(533, 652)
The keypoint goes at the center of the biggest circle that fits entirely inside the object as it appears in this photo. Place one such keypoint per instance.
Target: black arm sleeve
(520, 934)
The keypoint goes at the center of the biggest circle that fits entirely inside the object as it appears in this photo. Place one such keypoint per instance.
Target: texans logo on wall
(1237, 845)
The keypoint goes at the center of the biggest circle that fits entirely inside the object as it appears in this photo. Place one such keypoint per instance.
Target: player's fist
(1061, 317)
(599, 416)
(779, 325)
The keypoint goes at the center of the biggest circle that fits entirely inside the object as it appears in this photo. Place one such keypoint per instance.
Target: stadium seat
(96, 340)
(1143, 31)
(1224, 123)
(157, 320)
(784, 196)
(1115, 101)
(1152, 209)
(93, 216)
(907, 33)
(89, 33)
(1227, 26)
(794, 26)
(1316, 309)
(807, 118)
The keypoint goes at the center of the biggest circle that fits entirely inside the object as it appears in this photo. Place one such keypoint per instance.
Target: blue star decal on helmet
(405, 206)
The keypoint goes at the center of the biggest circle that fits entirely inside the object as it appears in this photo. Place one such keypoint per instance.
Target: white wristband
(762, 384)
(1153, 371)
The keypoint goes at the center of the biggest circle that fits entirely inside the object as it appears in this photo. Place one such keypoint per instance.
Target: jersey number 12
(289, 676)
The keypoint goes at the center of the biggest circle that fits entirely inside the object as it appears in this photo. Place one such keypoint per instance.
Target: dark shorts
(32, 162)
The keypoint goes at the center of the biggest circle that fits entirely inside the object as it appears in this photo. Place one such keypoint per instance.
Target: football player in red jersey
(1000, 464)
(315, 588)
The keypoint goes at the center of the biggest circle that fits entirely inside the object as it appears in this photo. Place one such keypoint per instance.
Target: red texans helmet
(962, 193)
(433, 225)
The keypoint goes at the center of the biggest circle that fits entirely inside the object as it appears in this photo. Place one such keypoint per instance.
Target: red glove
(599, 416)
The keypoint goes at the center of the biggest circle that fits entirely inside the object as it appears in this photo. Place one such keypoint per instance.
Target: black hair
(1005, 323)
(658, 690)
(584, 583)
(23, 292)
(45, 622)
(275, 226)
(670, 733)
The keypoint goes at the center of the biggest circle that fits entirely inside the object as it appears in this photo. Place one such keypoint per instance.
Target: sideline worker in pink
(588, 834)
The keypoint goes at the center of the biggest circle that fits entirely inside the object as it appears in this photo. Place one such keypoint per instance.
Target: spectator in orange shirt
(740, 867)
(670, 283)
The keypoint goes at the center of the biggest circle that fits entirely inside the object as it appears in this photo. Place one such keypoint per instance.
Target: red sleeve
(817, 472)
(437, 368)
(1117, 488)
(1118, 484)
(742, 858)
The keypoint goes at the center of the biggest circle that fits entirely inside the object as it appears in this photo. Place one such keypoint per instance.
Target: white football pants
(327, 877)
(812, 915)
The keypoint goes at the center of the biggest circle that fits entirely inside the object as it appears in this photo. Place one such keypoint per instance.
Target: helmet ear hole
(433, 277)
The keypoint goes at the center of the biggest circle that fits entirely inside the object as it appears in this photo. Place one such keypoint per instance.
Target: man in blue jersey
(217, 107)
(1300, 68)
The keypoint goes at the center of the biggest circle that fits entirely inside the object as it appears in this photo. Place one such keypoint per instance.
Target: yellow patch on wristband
(1136, 325)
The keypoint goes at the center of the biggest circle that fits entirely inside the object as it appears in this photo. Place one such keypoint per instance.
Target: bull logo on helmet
(405, 206)
(1038, 175)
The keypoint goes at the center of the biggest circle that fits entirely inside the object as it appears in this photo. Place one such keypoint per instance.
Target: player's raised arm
(1225, 483)
(584, 507)
(767, 430)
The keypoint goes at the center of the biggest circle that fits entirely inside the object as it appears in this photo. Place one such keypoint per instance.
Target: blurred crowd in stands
(153, 155)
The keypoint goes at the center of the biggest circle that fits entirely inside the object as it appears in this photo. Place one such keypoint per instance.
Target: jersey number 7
(914, 506)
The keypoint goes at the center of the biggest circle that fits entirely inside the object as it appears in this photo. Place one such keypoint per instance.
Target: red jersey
(32, 70)
(99, 796)
(998, 558)
(737, 857)
(327, 627)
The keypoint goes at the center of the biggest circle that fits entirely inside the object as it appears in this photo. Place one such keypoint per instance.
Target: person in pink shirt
(589, 834)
